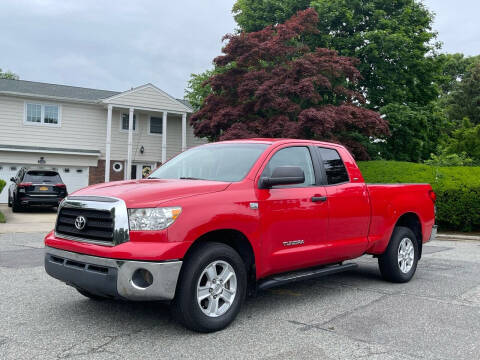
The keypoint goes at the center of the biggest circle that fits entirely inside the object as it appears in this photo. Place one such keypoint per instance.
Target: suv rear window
(38, 176)
(334, 167)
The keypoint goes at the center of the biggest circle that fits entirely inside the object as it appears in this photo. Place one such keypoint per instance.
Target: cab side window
(293, 156)
(334, 166)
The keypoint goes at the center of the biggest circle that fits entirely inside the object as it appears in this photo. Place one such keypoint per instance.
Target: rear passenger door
(348, 207)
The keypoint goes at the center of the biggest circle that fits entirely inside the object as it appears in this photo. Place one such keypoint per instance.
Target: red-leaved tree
(271, 84)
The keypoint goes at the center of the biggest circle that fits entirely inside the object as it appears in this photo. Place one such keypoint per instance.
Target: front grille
(99, 224)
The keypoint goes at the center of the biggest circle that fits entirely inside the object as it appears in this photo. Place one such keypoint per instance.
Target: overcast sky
(116, 45)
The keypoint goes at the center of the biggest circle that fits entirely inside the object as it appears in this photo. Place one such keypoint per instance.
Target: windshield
(217, 162)
(42, 177)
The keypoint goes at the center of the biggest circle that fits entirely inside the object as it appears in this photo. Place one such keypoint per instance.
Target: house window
(42, 114)
(34, 113)
(117, 166)
(156, 125)
(125, 122)
(51, 114)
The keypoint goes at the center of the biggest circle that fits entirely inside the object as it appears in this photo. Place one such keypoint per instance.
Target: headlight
(152, 218)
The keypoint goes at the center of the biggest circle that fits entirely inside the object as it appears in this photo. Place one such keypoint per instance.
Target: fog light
(142, 278)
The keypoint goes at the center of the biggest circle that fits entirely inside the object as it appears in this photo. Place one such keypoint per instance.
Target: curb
(457, 237)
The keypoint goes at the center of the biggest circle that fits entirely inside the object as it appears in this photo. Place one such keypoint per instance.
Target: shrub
(2, 184)
(457, 188)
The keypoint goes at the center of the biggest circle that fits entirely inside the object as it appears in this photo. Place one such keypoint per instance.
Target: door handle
(319, 198)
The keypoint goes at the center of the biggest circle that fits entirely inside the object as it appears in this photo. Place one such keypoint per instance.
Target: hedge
(2, 185)
(457, 188)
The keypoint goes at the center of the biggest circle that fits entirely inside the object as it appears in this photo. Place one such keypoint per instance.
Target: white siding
(151, 143)
(150, 98)
(82, 126)
(192, 140)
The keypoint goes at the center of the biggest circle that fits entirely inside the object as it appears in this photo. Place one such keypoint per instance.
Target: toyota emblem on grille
(80, 222)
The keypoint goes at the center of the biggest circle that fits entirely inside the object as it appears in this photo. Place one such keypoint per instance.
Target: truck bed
(387, 201)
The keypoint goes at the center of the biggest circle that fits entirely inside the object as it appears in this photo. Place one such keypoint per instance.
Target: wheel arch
(235, 239)
(412, 221)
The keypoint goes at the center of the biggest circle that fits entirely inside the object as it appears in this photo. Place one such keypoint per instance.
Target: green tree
(8, 75)
(198, 88)
(452, 69)
(415, 131)
(464, 100)
(392, 39)
(254, 15)
(273, 85)
(466, 139)
(395, 44)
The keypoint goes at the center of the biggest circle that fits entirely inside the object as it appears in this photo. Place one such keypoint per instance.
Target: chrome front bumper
(111, 277)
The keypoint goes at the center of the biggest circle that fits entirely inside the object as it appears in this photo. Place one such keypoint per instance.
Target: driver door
(294, 222)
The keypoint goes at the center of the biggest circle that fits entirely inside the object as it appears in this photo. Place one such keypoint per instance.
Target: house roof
(155, 96)
(23, 87)
(56, 91)
(186, 103)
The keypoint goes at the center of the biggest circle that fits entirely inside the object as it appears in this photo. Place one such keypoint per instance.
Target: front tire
(399, 262)
(211, 289)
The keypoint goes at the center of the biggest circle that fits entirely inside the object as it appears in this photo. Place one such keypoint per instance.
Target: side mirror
(13, 179)
(283, 175)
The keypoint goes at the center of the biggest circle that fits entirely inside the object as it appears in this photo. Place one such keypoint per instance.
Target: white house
(76, 131)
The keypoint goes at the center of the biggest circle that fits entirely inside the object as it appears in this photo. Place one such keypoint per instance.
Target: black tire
(91, 296)
(185, 305)
(9, 201)
(16, 207)
(388, 262)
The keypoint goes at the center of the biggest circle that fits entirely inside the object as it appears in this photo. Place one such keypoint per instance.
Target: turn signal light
(432, 195)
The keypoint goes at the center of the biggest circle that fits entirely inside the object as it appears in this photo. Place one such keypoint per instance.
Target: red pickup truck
(223, 220)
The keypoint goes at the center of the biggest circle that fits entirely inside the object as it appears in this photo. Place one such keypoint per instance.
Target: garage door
(74, 177)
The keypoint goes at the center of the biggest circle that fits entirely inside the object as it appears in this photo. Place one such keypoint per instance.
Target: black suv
(35, 187)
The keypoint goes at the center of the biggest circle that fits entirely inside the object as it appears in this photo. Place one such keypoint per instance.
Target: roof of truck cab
(271, 141)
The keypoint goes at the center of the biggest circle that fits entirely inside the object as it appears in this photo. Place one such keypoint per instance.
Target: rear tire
(399, 262)
(9, 201)
(16, 207)
(91, 296)
(211, 288)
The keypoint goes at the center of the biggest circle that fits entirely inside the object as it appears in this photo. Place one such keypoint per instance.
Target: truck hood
(152, 192)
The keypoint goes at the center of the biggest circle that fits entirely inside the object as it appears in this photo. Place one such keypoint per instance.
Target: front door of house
(141, 170)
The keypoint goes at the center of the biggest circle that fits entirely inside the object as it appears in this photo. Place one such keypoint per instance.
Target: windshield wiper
(189, 178)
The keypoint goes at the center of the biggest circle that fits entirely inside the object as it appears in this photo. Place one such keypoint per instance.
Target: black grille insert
(99, 224)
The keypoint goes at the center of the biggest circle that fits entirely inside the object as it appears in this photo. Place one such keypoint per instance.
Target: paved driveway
(349, 316)
(31, 220)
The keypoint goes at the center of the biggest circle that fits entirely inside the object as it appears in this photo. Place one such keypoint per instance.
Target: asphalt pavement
(345, 316)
